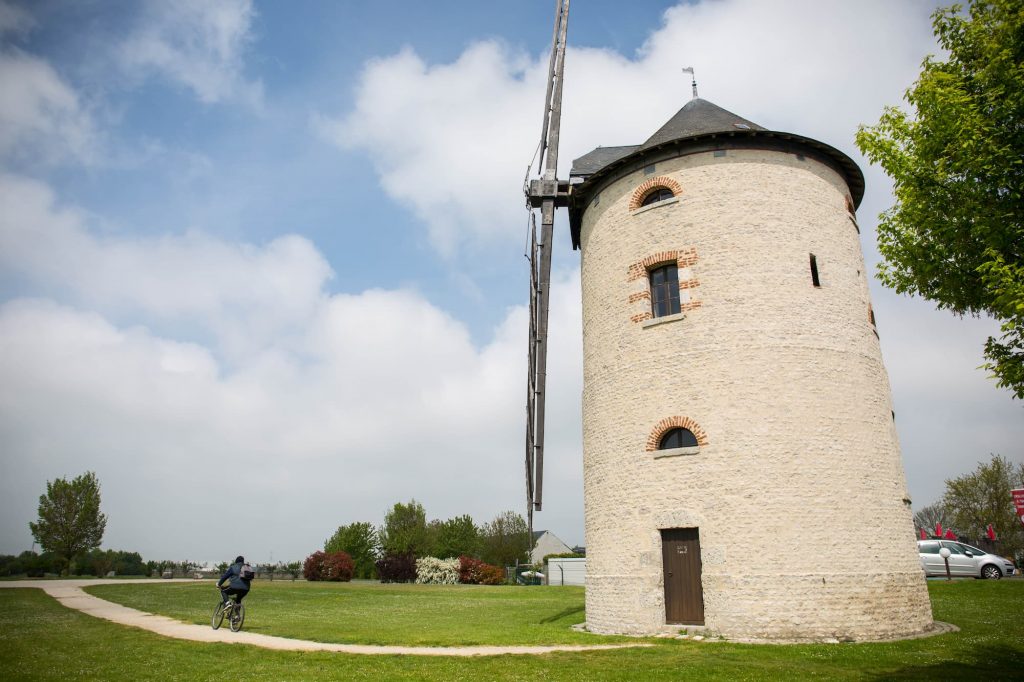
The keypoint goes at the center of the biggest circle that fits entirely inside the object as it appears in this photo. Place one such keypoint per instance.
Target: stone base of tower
(810, 607)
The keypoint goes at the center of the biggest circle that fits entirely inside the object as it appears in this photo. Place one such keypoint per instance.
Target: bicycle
(233, 610)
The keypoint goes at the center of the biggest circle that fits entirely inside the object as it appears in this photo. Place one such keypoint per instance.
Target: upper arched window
(677, 438)
(656, 195)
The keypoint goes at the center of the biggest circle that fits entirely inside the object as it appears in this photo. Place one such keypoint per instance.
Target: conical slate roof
(699, 117)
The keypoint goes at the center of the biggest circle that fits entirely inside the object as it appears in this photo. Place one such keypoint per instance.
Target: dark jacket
(234, 574)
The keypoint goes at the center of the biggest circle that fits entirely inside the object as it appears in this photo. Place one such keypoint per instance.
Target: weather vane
(689, 70)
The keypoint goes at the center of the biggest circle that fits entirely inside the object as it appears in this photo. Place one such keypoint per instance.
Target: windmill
(546, 193)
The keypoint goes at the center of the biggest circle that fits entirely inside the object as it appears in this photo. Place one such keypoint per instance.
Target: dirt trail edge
(70, 594)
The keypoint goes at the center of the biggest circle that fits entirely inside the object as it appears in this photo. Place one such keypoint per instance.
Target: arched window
(677, 438)
(656, 195)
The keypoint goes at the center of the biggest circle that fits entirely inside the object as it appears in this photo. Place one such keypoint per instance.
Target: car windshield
(953, 547)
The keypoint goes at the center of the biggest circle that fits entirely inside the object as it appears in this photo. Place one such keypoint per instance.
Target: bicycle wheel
(237, 617)
(218, 615)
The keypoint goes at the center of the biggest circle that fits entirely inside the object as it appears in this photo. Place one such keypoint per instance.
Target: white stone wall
(799, 493)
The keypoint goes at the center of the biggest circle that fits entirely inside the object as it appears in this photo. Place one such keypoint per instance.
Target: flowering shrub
(338, 567)
(334, 566)
(475, 572)
(313, 567)
(430, 570)
(397, 568)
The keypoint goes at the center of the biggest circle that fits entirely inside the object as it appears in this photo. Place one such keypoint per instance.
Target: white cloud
(41, 117)
(199, 44)
(190, 277)
(450, 141)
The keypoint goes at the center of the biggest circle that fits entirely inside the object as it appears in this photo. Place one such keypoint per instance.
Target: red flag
(938, 529)
(950, 535)
(990, 532)
(924, 536)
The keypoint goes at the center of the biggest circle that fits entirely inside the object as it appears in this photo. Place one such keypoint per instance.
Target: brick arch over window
(669, 423)
(646, 187)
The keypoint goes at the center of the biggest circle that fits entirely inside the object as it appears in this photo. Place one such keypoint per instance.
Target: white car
(964, 560)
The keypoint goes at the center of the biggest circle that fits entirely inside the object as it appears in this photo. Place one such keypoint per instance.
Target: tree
(458, 536)
(70, 521)
(359, 541)
(928, 516)
(956, 233)
(405, 530)
(982, 497)
(506, 540)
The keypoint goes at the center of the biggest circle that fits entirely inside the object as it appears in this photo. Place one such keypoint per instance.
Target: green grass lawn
(40, 639)
(373, 613)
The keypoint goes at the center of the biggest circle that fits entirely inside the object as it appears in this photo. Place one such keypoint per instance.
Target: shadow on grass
(571, 611)
(995, 662)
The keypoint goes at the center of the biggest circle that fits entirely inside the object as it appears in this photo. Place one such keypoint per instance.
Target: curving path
(70, 594)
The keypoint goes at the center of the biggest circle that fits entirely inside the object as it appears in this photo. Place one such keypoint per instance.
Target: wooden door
(684, 598)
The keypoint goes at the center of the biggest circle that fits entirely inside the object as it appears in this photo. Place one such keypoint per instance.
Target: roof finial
(689, 70)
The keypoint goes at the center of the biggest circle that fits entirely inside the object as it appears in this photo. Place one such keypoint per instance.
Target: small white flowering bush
(430, 570)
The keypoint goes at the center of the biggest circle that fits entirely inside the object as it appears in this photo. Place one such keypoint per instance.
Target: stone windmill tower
(741, 464)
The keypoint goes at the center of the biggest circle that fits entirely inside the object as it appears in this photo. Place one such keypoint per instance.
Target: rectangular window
(814, 271)
(665, 290)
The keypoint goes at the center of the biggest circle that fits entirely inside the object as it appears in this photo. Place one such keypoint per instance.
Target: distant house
(545, 542)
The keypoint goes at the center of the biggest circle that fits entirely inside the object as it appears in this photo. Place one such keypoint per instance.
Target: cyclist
(238, 584)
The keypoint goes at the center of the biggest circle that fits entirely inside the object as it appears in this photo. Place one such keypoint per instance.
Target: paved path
(70, 594)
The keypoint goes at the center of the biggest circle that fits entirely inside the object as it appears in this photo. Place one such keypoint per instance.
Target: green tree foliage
(70, 521)
(982, 497)
(359, 541)
(505, 540)
(100, 562)
(405, 530)
(457, 537)
(956, 233)
(30, 564)
(927, 517)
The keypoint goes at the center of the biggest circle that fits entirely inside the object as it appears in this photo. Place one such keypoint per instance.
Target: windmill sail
(545, 193)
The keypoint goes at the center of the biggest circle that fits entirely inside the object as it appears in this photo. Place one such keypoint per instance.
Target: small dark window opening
(815, 280)
(871, 316)
(665, 290)
(678, 438)
(659, 194)
(719, 152)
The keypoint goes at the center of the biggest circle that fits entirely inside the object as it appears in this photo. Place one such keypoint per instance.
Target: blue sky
(280, 245)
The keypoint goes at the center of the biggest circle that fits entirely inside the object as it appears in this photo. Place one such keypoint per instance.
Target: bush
(313, 567)
(338, 567)
(333, 566)
(397, 568)
(430, 570)
(475, 572)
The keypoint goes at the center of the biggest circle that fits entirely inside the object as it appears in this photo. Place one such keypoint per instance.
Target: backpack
(246, 572)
